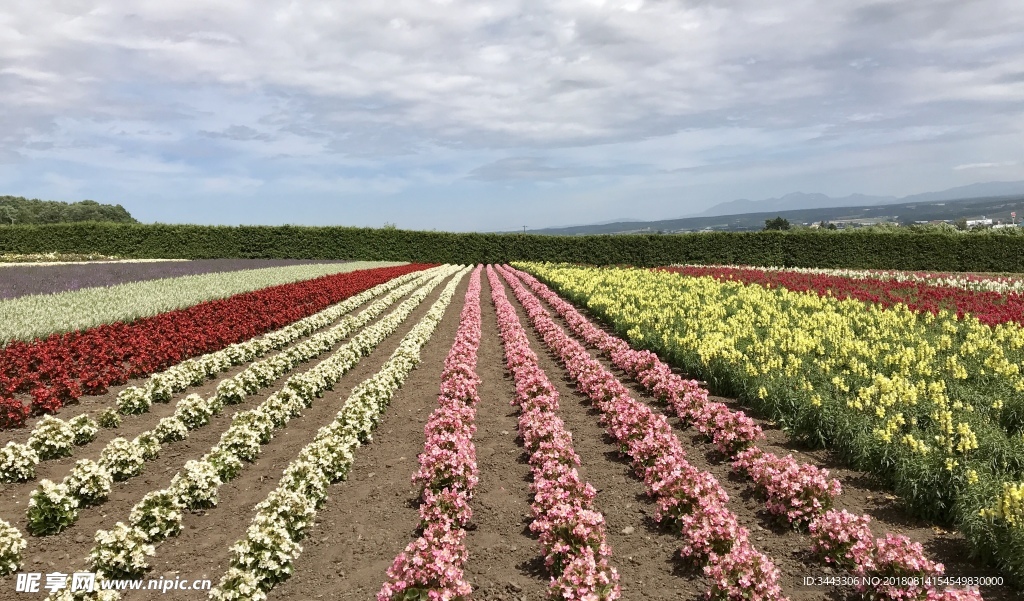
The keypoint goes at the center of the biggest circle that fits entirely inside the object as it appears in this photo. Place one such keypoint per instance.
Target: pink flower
(743, 574)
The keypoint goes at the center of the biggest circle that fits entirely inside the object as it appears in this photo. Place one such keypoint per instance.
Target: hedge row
(803, 248)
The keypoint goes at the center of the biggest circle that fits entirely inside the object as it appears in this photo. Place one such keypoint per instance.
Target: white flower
(158, 515)
(12, 543)
(84, 429)
(238, 585)
(133, 400)
(120, 552)
(170, 429)
(51, 508)
(196, 485)
(193, 411)
(52, 438)
(149, 445)
(17, 462)
(122, 458)
(89, 482)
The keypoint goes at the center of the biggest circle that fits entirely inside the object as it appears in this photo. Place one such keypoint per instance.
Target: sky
(487, 115)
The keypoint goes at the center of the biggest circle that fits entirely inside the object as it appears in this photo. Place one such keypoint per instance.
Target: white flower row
(57, 508)
(53, 438)
(260, 374)
(267, 553)
(195, 371)
(124, 550)
(39, 315)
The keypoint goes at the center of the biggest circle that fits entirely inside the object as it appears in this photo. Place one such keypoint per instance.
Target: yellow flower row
(922, 383)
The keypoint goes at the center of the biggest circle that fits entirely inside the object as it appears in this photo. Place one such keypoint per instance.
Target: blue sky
(490, 115)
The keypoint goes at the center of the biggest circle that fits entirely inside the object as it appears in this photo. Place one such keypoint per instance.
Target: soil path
(504, 561)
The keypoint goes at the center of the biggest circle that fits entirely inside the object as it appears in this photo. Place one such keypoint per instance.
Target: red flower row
(60, 368)
(990, 308)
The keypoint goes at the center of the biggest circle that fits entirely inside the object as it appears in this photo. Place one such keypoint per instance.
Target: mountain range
(801, 200)
(814, 206)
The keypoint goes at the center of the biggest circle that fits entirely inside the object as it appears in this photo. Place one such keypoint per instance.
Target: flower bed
(918, 294)
(267, 554)
(571, 532)
(431, 566)
(799, 493)
(193, 411)
(63, 367)
(692, 500)
(196, 486)
(931, 404)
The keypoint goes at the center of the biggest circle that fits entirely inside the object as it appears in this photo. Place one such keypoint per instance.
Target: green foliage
(899, 248)
(16, 210)
(779, 223)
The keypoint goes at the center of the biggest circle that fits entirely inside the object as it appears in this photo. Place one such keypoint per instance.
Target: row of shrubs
(874, 248)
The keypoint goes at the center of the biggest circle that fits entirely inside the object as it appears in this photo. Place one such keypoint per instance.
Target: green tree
(778, 223)
(15, 209)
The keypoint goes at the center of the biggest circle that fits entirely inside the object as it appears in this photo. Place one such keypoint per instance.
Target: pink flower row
(692, 500)
(845, 540)
(798, 492)
(431, 567)
(730, 431)
(571, 532)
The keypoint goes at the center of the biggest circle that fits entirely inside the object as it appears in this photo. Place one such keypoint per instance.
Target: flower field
(451, 432)
(990, 300)
(22, 279)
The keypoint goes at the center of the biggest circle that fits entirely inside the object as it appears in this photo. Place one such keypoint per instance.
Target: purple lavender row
(22, 280)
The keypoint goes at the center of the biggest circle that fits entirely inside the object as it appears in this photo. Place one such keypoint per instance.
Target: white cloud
(984, 165)
(381, 97)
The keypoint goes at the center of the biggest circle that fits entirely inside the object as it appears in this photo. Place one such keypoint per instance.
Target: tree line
(15, 210)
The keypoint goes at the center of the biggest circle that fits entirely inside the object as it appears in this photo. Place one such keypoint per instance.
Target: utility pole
(524, 229)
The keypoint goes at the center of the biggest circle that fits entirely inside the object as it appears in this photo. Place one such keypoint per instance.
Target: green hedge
(802, 248)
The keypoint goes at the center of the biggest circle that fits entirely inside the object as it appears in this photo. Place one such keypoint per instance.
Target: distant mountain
(794, 201)
(969, 191)
(992, 199)
(800, 200)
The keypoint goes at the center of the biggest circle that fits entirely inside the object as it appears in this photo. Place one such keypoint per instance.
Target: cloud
(240, 133)
(523, 168)
(406, 95)
(984, 165)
